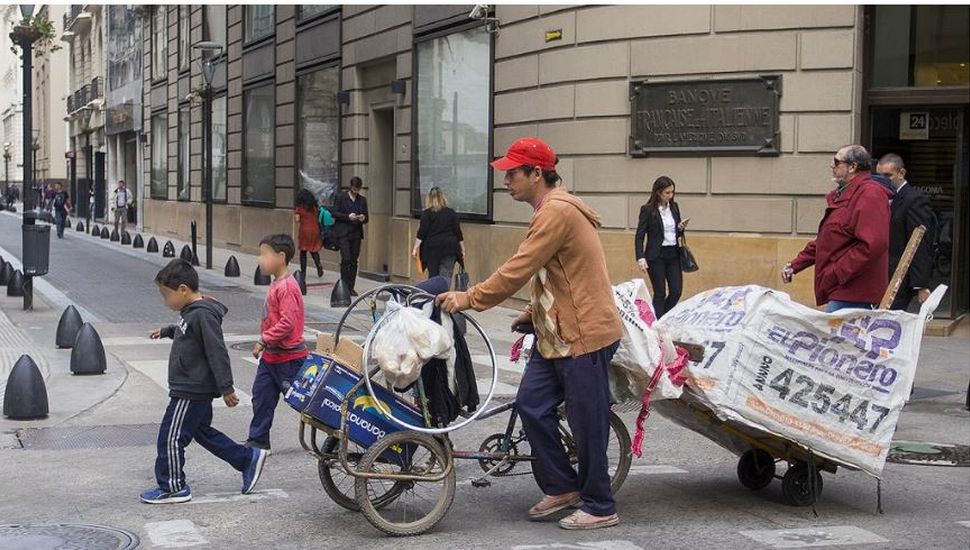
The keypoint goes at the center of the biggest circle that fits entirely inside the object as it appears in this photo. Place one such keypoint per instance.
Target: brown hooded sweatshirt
(572, 299)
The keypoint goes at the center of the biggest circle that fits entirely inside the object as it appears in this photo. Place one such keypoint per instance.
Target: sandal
(582, 521)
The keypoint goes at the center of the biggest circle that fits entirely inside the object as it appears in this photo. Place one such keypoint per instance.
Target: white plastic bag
(406, 341)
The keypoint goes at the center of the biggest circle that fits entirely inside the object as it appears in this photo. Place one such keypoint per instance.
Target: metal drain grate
(88, 437)
(65, 535)
(929, 454)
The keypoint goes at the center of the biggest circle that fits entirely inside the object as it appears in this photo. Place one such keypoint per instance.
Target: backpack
(59, 201)
(327, 230)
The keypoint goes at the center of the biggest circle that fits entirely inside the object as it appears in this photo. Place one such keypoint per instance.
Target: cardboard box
(346, 352)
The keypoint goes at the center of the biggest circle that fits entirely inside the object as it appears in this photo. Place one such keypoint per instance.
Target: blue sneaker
(158, 496)
(251, 473)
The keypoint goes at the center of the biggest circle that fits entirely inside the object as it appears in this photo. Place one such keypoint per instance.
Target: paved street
(89, 460)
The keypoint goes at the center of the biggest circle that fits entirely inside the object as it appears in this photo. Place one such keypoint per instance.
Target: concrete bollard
(340, 296)
(259, 279)
(88, 357)
(186, 253)
(232, 267)
(68, 327)
(105, 234)
(25, 397)
(96, 231)
(6, 271)
(138, 242)
(125, 238)
(115, 236)
(15, 284)
(168, 251)
(80, 227)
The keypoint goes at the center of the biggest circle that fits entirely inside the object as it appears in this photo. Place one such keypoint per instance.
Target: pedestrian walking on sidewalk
(198, 372)
(122, 199)
(577, 330)
(439, 242)
(851, 251)
(661, 224)
(61, 204)
(280, 348)
(350, 215)
(307, 211)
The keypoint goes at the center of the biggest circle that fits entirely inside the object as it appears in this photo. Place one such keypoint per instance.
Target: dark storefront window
(258, 145)
(219, 173)
(259, 22)
(922, 46)
(318, 138)
(453, 87)
(159, 183)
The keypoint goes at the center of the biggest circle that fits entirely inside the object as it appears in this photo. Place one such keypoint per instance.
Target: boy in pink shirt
(280, 348)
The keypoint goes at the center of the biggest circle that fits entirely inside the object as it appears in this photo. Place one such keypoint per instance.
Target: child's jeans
(272, 380)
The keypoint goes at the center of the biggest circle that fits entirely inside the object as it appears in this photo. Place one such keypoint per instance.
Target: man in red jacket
(851, 251)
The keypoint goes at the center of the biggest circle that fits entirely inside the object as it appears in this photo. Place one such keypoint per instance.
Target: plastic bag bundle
(408, 340)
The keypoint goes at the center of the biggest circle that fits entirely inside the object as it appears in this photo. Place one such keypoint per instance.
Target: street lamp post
(210, 50)
(35, 145)
(25, 35)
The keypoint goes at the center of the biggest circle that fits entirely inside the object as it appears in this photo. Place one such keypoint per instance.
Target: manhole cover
(929, 454)
(61, 536)
(89, 437)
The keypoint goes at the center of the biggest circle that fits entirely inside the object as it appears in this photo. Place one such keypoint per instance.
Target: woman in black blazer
(660, 222)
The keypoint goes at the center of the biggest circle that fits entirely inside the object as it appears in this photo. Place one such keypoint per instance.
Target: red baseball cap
(527, 151)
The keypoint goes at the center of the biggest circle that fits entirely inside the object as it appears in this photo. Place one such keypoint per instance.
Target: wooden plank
(902, 268)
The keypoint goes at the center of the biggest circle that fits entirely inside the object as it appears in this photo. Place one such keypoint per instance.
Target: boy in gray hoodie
(198, 372)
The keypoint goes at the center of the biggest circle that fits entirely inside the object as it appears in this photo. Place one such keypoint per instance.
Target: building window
(318, 138)
(307, 11)
(159, 42)
(921, 46)
(183, 156)
(214, 24)
(453, 116)
(258, 145)
(219, 174)
(184, 53)
(159, 183)
(259, 22)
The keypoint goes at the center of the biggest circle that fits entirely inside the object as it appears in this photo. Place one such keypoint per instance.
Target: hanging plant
(39, 30)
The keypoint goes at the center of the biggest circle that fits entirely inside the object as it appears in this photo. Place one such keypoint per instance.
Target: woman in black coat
(661, 223)
(439, 241)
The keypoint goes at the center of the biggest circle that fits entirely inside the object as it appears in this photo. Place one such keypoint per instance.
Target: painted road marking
(157, 371)
(178, 533)
(236, 496)
(965, 524)
(601, 545)
(814, 536)
(655, 469)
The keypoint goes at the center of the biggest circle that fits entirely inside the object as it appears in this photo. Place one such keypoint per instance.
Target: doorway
(380, 193)
(131, 178)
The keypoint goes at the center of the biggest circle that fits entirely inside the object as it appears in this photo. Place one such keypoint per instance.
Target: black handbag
(462, 283)
(687, 262)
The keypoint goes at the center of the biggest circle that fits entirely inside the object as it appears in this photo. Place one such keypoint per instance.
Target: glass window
(318, 139)
(259, 22)
(184, 52)
(925, 46)
(307, 11)
(258, 145)
(159, 183)
(219, 174)
(453, 86)
(159, 42)
(183, 156)
(214, 24)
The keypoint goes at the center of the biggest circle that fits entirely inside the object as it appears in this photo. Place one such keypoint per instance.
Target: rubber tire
(441, 507)
(794, 485)
(619, 431)
(756, 469)
(330, 445)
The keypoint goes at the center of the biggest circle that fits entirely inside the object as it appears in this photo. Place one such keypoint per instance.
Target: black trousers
(349, 252)
(667, 279)
(316, 260)
(903, 297)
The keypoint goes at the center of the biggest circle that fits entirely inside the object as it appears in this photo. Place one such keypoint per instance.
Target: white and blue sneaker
(158, 496)
(251, 473)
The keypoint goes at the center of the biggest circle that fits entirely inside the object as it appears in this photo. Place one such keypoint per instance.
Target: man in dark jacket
(350, 215)
(851, 250)
(61, 203)
(910, 209)
(198, 371)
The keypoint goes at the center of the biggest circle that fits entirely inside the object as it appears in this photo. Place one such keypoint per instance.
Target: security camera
(480, 11)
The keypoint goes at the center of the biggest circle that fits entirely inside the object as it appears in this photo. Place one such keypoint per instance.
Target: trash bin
(37, 246)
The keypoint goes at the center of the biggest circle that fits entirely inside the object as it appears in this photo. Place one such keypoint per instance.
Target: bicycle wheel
(421, 504)
(618, 453)
(339, 485)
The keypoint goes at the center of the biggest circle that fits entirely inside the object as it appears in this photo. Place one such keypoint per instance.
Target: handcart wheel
(339, 486)
(795, 485)
(756, 469)
(421, 504)
(618, 453)
(496, 443)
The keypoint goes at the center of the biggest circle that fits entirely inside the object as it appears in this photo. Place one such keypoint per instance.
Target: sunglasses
(837, 161)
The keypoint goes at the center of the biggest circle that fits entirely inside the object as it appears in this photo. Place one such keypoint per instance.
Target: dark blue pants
(272, 380)
(582, 383)
(185, 420)
(60, 218)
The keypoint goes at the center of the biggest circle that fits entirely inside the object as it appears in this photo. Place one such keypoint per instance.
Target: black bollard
(88, 357)
(138, 242)
(152, 245)
(186, 253)
(125, 238)
(115, 236)
(232, 267)
(95, 230)
(80, 226)
(25, 397)
(340, 297)
(6, 271)
(15, 284)
(105, 234)
(301, 280)
(259, 279)
(168, 251)
(68, 327)
(195, 260)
